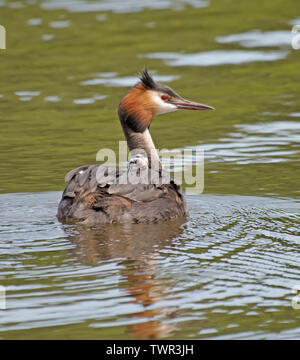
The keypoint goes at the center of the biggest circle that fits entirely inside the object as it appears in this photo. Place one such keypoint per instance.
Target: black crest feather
(147, 80)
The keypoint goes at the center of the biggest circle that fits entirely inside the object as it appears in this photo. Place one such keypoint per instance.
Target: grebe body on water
(94, 196)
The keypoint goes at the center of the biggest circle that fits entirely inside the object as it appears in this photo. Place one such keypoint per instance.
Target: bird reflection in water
(138, 252)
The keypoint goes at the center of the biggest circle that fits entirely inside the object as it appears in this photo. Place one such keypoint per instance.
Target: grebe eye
(164, 97)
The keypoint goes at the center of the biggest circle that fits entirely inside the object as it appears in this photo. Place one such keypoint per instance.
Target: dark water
(226, 272)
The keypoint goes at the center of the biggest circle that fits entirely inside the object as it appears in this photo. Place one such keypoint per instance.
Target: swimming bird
(95, 194)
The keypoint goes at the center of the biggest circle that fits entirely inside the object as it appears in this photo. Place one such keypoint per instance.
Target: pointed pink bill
(190, 105)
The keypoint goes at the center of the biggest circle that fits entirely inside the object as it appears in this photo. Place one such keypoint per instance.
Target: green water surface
(42, 140)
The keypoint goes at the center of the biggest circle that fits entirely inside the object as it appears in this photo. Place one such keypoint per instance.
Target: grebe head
(148, 99)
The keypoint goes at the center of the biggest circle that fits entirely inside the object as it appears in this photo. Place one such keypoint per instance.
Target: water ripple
(109, 79)
(271, 142)
(216, 57)
(236, 257)
(257, 38)
(119, 6)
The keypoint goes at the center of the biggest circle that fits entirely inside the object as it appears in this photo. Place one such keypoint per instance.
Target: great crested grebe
(93, 196)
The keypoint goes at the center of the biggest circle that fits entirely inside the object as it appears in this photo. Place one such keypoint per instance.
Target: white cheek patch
(162, 106)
